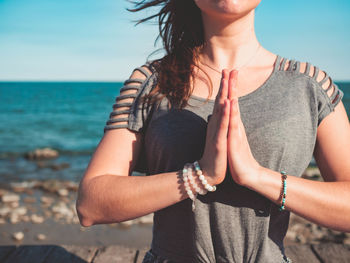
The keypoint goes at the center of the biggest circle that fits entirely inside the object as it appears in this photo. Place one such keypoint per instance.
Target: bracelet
(283, 190)
(204, 181)
(185, 176)
(198, 189)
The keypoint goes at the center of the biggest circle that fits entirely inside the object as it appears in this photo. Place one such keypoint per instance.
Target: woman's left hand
(243, 166)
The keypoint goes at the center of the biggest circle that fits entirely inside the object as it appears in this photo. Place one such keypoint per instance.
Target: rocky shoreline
(41, 201)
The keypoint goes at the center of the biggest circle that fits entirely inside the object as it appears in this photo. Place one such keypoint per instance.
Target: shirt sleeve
(328, 95)
(129, 111)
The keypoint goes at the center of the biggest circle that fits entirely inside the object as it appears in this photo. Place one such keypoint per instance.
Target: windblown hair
(181, 31)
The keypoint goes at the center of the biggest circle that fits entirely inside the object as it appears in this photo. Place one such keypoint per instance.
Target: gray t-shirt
(232, 224)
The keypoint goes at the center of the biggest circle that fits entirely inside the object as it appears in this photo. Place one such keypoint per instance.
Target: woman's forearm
(111, 198)
(324, 203)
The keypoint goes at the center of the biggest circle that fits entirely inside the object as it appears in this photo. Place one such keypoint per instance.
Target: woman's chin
(227, 8)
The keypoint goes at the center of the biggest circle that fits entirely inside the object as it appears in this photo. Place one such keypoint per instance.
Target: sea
(66, 116)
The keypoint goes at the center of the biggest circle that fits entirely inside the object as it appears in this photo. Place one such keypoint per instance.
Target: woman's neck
(228, 43)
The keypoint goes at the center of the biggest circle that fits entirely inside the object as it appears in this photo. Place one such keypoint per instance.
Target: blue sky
(97, 40)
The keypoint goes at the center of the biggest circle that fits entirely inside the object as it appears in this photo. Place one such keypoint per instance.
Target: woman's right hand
(214, 160)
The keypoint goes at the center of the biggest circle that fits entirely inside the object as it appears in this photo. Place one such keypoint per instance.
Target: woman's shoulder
(309, 73)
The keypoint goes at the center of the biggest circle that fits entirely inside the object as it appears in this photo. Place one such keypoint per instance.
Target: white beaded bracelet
(198, 189)
(189, 192)
(204, 181)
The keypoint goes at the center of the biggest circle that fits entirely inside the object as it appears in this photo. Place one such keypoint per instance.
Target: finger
(222, 93)
(232, 83)
(224, 120)
(224, 88)
(234, 118)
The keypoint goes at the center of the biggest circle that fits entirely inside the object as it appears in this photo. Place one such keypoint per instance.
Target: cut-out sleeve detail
(329, 94)
(307, 70)
(128, 111)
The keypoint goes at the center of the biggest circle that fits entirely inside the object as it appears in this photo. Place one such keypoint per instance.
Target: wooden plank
(301, 254)
(29, 253)
(115, 254)
(5, 251)
(71, 253)
(330, 252)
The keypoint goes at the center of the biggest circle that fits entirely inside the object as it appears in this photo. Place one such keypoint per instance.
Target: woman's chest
(277, 127)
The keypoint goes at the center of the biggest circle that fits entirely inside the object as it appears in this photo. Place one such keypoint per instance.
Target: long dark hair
(181, 31)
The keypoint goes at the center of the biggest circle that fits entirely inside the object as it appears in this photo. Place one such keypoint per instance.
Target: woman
(266, 118)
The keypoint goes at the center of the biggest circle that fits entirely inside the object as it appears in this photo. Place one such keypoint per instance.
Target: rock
(18, 236)
(312, 173)
(36, 219)
(148, 219)
(2, 221)
(19, 211)
(346, 241)
(10, 197)
(51, 186)
(4, 211)
(52, 166)
(40, 237)
(47, 213)
(22, 186)
(29, 199)
(42, 154)
(126, 224)
(14, 219)
(2, 192)
(62, 209)
(71, 186)
(25, 218)
(46, 200)
(59, 166)
(14, 204)
(62, 192)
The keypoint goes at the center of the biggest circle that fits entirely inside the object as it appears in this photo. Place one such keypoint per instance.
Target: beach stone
(40, 237)
(14, 204)
(10, 197)
(42, 154)
(62, 192)
(4, 211)
(21, 186)
(2, 192)
(25, 218)
(18, 236)
(14, 218)
(71, 186)
(36, 219)
(47, 200)
(62, 209)
(19, 211)
(29, 199)
(47, 213)
(147, 219)
(51, 186)
(346, 241)
(126, 224)
(312, 173)
(59, 166)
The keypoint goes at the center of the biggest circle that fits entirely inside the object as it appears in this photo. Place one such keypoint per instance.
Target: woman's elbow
(83, 214)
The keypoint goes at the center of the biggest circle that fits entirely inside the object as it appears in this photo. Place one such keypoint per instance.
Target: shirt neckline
(254, 92)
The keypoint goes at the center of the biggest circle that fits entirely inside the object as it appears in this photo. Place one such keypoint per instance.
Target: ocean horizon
(66, 116)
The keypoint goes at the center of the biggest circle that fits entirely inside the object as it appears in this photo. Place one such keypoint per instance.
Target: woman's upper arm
(332, 149)
(118, 151)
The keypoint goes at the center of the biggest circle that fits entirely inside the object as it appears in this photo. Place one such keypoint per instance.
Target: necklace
(236, 68)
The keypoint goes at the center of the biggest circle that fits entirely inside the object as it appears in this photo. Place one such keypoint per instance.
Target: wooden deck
(325, 253)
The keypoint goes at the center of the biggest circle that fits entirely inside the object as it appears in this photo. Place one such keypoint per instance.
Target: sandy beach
(43, 212)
